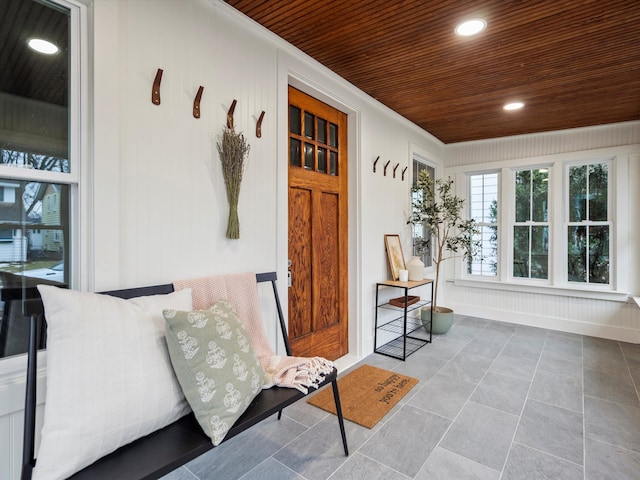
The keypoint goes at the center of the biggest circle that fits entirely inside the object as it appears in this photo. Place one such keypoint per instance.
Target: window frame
(498, 224)
(619, 191)
(610, 222)
(78, 178)
(427, 164)
(510, 194)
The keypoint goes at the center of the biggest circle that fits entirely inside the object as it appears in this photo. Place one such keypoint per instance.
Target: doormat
(366, 394)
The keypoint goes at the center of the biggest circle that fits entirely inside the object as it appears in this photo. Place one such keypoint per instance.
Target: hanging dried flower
(233, 149)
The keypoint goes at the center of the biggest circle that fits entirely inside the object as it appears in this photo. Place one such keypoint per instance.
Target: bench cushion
(215, 363)
(109, 377)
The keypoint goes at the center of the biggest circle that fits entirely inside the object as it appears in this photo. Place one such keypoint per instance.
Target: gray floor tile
(634, 369)
(514, 366)
(234, 458)
(615, 388)
(446, 465)
(481, 434)
(473, 322)
(405, 442)
(484, 347)
(443, 395)
(594, 344)
(467, 367)
(531, 334)
(526, 463)
(553, 430)
(612, 423)
(502, 393)
(318, 452)
(271, 469)
(443, 347)
(524, 348)
(564, 345)
(558, 390)
(306, 414)
(360, 467)
(180, 474)
(468, 328)
(420, 367)
(567, 365)
(606, 362)
(377, 360)
(607, 462)
(631, 351)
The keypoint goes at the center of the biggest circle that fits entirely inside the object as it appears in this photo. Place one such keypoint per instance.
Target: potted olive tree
(438, 208)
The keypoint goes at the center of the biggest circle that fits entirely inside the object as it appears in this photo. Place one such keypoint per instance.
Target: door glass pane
(598, 182)
(523, 195)
(322, 130)
(599, 254)
(322, 160)
(309, 150)
(577, 257)
(294, 152)
(578, 193)
(333, 135)
(294, 120)
(539, 251)
(333, 163)
(309, 125)
(521, 251)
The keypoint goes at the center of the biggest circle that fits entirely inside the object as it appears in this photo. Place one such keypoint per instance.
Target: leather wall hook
(196, 102)
(394, 170)
(374, 164)
(230, 114)
(155, 90)
(259, 125)
(403, 172)
(385, 167)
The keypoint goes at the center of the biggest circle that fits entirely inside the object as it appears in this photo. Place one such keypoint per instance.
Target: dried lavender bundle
(233, 149)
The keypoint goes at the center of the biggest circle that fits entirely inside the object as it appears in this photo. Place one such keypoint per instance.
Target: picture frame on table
(394, 254)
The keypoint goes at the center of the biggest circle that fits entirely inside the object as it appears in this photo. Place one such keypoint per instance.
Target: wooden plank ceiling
(574, 63)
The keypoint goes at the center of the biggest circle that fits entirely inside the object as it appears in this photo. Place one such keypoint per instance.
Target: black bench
(164, 450)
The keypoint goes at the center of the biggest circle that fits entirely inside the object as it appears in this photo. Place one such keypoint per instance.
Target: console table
(396, 321)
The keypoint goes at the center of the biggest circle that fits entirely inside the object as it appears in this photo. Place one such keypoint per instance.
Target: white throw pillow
(109, 376)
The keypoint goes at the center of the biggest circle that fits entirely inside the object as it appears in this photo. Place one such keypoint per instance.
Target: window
(421, 243)
(531, 227)
(559, 225)
(588, 224)
(39, 135)
(483, 207)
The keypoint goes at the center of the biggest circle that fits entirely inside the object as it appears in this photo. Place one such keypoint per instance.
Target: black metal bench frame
(164, 450)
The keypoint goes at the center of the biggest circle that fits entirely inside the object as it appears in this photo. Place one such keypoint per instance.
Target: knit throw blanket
(241, 291)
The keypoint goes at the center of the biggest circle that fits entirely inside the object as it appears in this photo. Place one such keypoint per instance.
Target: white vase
(416, 269)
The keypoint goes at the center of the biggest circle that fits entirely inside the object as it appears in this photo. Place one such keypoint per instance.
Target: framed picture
(394, 253)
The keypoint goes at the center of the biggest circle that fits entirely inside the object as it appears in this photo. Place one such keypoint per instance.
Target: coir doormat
(366, 394)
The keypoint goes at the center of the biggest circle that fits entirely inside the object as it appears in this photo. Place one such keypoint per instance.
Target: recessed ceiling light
(471, 27)
(43, 46)
(513, 106)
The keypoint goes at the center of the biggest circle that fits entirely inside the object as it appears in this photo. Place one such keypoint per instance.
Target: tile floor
(494, 401)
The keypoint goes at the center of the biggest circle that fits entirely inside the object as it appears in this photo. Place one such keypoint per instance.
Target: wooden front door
(317, 228)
